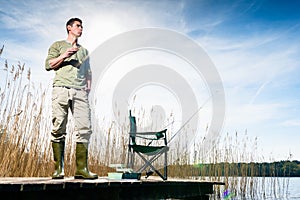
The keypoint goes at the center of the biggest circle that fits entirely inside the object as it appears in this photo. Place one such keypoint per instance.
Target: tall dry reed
(25, 148)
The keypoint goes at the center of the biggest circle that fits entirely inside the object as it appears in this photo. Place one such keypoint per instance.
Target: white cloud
(248, 64)
(101, 20)
(251, 114)
(292, 122)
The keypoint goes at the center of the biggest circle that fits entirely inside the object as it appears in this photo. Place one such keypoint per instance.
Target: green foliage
(273, 169)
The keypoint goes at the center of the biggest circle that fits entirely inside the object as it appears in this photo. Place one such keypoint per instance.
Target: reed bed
(25, 149)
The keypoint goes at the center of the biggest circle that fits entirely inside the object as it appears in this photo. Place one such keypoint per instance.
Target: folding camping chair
(143, 144)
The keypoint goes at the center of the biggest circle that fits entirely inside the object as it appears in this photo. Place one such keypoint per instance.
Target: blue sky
(254, 45)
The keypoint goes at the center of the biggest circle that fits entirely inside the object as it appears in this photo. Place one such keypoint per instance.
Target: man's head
(74, 26)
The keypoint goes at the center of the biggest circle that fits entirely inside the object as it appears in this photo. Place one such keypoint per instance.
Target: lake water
(294, 188)
(259, 188)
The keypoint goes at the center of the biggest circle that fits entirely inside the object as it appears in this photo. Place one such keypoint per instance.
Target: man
(71, 85)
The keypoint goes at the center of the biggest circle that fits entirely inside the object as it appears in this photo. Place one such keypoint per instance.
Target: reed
(25, 149)
(22, 120)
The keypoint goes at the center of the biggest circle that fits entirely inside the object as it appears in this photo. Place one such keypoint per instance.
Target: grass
(25, 149)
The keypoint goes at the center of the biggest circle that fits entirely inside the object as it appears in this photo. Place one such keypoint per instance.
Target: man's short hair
(71, 22)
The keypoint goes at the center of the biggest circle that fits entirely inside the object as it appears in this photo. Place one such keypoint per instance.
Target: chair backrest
(132, 127)
(144, 135)
(154, 149)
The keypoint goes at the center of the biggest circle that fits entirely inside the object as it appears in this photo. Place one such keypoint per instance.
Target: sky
(254, 45)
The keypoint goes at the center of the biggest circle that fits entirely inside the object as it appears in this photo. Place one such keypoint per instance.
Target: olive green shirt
(74, 71)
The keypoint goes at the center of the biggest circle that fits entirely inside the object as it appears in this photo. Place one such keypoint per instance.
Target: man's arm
(89, 80)
(88, 74)
(55, 59)
(55, 62)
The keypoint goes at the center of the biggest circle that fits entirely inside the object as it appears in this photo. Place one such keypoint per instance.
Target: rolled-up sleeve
(53, 52)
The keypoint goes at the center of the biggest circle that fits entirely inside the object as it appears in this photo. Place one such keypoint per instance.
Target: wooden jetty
(104, 188)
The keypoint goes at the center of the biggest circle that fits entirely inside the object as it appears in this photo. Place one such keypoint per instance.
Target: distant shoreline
(253, 169)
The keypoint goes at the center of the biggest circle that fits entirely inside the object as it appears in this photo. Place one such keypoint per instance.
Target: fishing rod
(205, 102)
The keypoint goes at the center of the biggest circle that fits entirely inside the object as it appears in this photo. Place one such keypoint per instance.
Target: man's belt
(67, 87)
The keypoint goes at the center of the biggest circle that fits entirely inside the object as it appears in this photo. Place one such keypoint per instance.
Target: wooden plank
(154, 188)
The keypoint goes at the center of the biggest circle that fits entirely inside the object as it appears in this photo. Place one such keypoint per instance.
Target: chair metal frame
(153, 152)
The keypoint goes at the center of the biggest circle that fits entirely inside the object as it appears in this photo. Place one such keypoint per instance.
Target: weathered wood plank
(47, 188)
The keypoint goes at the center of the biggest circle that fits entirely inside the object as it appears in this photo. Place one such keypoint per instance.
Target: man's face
(75, 29)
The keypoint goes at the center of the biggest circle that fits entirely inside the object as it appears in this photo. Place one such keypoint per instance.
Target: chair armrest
(146, 133)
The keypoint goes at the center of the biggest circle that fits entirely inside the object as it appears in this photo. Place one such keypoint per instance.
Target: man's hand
(88, 90)
(69, 52)
(88, 85)
(56, 62)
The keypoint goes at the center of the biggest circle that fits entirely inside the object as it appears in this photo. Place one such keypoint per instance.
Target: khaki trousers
(63, 100)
